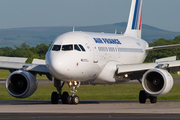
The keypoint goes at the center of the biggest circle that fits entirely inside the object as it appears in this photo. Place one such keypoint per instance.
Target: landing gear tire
(153, 99)
(54, 98)
(65, 97)
(75, 100)
(69, 100)
(142, 96)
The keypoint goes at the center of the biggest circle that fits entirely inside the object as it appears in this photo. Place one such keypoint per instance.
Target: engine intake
(157, 82)
(21, 84)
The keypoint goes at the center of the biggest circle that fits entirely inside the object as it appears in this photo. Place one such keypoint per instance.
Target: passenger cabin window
(82, 48)
(76, 47)
(56, 48)
(67, 47)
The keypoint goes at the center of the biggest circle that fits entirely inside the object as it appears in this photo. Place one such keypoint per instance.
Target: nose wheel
(65, 98)
(73, 99)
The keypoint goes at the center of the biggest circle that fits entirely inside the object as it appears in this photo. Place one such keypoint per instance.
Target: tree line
(24, 50)
(153, 55)
(39, 51)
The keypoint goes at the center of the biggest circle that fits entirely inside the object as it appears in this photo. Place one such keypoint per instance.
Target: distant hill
(37, 35)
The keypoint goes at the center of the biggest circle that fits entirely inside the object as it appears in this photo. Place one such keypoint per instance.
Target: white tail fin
(135, 19)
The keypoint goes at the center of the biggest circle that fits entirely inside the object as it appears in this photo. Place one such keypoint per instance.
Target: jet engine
(21, 84)
(157, 82)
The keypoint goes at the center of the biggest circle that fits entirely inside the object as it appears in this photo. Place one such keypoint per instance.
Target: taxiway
(113, 110)
(31, 106)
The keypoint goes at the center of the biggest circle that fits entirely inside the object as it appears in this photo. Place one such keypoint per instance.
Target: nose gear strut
(74, 99)
(65, 98)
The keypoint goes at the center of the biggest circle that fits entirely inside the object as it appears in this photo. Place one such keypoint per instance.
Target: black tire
(142, 96)
(54, 98)
(75, 100)
(69, 100)
(65, 98)
(153, 99)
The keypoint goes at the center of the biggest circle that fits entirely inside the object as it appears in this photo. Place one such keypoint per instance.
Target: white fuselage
(69, 64)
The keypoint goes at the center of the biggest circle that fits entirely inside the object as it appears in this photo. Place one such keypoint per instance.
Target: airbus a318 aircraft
(78, 58)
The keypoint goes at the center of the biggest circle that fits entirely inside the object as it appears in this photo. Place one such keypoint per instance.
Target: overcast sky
(164, 14)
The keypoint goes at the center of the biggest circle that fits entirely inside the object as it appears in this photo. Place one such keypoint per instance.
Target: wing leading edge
(162, 47)
(169, 64)
(16, 63)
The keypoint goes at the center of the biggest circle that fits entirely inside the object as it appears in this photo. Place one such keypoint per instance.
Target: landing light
(70, 83)
(75, 83)
(126, 75)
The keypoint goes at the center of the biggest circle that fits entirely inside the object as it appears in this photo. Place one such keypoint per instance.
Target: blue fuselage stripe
(136, 15)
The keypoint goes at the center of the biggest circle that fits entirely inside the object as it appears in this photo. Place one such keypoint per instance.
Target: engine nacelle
(21, 84)
(157, 82)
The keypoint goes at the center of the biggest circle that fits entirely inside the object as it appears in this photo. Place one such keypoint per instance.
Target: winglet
(135, 19)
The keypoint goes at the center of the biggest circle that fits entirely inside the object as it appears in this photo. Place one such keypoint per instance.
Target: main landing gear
(65, 98)
(143, 96)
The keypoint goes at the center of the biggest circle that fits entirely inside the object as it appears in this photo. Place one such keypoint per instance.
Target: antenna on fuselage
(73, 28)
(115, 31)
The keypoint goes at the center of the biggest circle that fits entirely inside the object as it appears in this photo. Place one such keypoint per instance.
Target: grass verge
(98, 92)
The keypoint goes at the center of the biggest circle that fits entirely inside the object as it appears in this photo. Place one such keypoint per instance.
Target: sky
(162, 14)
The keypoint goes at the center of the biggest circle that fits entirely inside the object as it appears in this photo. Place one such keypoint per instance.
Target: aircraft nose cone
(51, 62)
(56, 64)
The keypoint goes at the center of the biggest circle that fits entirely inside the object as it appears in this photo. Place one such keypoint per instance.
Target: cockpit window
(82, 48)
(76, 47)
(56, 48)
(67, 47)
(50, 48)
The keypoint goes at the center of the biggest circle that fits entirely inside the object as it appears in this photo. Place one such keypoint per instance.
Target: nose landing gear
(74, 99)
(65, 98)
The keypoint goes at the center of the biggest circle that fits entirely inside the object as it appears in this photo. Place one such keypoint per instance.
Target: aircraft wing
(38, 66)
(162, 47)
(136, 71)
(12, 62)
(16, 63)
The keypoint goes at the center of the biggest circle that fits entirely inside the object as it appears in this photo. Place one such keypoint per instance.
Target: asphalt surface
(110, 116)
(112, 110)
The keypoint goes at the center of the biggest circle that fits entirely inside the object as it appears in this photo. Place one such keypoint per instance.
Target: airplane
(78, 58)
